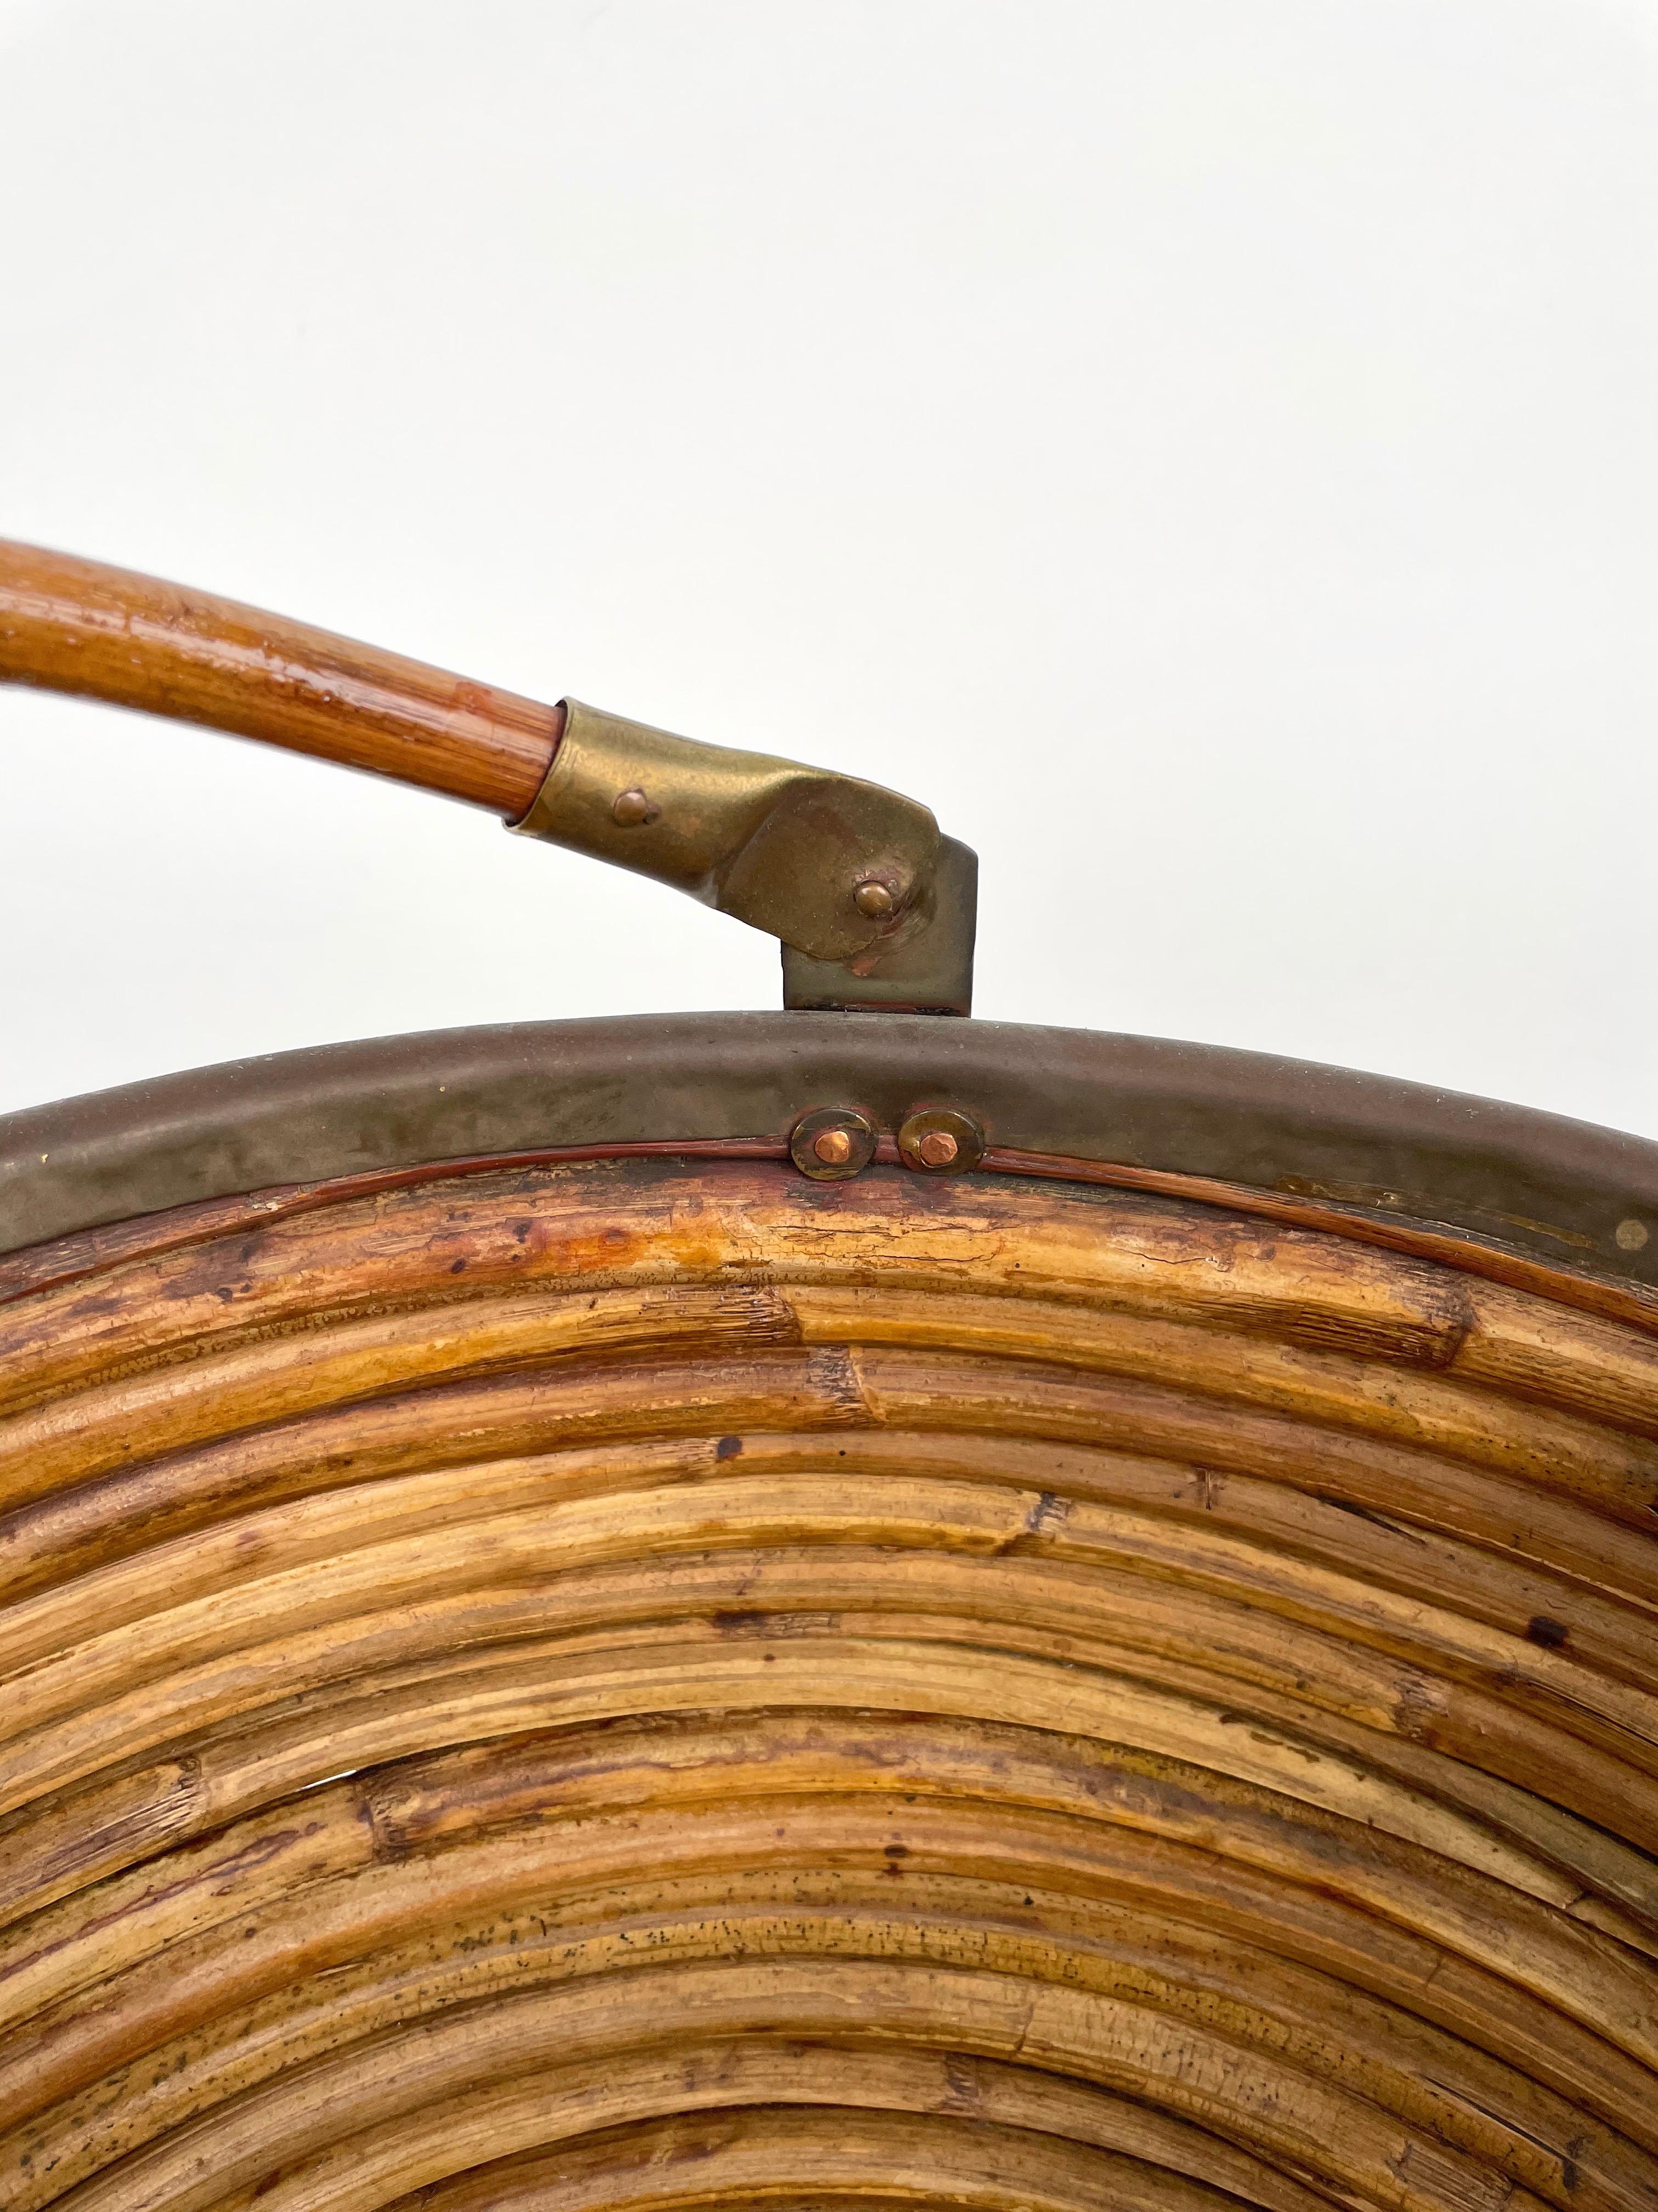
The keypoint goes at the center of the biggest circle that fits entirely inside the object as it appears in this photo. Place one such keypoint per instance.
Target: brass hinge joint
(873, 907)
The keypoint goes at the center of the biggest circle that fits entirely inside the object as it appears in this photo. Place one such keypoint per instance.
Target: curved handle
(72, 625)
(873, 908)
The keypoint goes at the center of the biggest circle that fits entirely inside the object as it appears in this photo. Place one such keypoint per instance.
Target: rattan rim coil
(657, 1683)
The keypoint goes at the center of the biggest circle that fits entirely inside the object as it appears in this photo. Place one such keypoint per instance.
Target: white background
(1206, 449)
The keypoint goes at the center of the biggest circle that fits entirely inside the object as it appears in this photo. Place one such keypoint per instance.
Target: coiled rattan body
(658, 1683)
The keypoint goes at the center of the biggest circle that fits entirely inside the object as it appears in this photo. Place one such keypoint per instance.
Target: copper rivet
(873, 899)
(831, 1143)
(937, 1139)
(631, 808)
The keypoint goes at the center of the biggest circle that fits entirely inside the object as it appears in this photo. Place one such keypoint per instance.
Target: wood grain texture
(73, 625)
(652, 1684)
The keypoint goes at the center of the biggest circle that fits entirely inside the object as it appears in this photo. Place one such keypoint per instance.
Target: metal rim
(1380, 1154)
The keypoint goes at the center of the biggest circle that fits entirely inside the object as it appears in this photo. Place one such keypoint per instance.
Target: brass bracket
(874, 908)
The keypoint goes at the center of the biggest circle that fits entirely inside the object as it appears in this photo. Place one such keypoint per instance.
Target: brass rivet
(1630, 1236)
(874, 899)
(937, 1148)
(631, 808)
(833, 1147)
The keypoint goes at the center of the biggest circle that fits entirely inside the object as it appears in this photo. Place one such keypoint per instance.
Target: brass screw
(631, 808)
(874, 899)
(938, 1148)
(834, 1147)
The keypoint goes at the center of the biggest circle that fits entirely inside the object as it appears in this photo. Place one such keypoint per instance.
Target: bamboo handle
(73, 625)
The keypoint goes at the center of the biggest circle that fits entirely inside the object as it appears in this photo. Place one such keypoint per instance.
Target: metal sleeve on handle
(801, 853)
(873, 909)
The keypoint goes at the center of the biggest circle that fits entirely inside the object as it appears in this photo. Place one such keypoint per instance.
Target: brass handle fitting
(873, 908)
(856, 881)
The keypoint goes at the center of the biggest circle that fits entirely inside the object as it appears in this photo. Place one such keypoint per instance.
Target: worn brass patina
(928, 973)
(874, 908)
